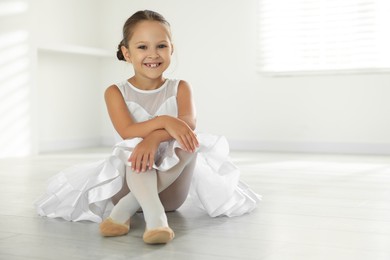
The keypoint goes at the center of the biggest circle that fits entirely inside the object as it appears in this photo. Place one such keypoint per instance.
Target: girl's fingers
(147, 162)
(144, 163)
(138, 163)
(141, 162)
(186, 144)
(151, 161)
(132, 162)
(181, 143)
(190, 142)
(193, 140)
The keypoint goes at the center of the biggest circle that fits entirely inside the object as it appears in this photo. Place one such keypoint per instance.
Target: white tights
(156, 192)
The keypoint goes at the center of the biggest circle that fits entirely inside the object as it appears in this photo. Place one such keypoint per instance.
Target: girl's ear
(172, 49)
(126, 53)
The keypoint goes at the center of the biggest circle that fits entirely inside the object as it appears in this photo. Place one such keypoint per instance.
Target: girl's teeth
(154, 65)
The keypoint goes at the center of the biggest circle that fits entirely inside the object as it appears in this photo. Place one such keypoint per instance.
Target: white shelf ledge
(78, 50)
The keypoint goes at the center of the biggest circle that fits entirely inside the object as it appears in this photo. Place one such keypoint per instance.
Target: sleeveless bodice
(146, 104)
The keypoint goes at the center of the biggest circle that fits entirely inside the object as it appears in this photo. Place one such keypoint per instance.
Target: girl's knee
(172, 204)
(173, 197)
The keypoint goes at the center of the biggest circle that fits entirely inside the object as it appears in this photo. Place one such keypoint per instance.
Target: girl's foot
(110, 228)
(161, 235)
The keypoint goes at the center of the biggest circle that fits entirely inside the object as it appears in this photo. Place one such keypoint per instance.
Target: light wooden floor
(314, 207)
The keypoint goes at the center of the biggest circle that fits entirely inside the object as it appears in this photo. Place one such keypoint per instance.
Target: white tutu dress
(84, 192)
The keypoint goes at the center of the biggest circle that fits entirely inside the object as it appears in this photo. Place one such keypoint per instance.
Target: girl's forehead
(150, 31)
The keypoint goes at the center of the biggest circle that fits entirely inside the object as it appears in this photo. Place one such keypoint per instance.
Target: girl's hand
(182, 133)
(142, 157)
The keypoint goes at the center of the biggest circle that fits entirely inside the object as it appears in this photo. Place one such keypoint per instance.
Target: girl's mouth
(152, 65)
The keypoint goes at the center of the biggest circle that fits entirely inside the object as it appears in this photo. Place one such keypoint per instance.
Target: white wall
(215, 51)
(68, 89)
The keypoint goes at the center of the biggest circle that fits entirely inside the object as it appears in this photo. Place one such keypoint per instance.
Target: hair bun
(119, 53)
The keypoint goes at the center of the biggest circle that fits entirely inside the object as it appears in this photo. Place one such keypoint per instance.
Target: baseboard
(242, 145)
(311, 147)
(107, 141)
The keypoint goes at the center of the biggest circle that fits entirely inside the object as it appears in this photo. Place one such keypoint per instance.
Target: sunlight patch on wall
(15, 78)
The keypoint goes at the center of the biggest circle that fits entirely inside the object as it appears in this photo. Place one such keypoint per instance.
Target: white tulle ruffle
(84, 192)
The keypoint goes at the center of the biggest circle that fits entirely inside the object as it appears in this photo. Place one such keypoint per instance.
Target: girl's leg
(126, 205)
(144, 192)
(144, 188)
(118, 223)
(175, 193)
(172, 184)
(122, 193)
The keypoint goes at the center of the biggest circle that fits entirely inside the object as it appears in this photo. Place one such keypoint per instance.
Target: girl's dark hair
(130, 24)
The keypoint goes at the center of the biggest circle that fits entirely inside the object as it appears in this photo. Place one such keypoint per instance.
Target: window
(316, 36)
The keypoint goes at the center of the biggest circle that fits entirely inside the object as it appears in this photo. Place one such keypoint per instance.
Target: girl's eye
(162, 46)
(142, 47)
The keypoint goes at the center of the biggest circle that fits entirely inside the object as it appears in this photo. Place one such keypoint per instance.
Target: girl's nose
(154, 54)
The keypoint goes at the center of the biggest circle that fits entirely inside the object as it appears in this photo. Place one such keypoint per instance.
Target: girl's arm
(186, 105)
(178, 128)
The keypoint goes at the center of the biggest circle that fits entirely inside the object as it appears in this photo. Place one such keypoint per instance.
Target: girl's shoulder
(116, 87)
(121, 86)
(183, 86)
(117, 92)
(112, 92)
(184, 90)
(183, 83)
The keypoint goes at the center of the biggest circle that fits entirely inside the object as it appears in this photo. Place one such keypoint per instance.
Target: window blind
(323, 35)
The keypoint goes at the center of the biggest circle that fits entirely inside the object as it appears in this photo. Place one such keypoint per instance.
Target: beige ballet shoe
(110, 228)
(161, 235)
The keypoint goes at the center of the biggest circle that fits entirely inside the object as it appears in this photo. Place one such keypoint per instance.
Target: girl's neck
(146, 84)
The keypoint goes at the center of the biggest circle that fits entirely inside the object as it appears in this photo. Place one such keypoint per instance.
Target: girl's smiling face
(150, 49)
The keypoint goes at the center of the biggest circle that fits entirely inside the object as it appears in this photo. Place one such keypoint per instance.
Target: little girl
(158, 159)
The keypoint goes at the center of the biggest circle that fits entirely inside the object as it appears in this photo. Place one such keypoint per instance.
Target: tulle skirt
(84, 192)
